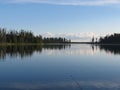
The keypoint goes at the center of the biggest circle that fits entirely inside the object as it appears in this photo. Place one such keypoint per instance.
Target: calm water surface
(60, 67)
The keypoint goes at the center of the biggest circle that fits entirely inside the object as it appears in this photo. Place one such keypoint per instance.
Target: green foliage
(18, 37)
(26, 37)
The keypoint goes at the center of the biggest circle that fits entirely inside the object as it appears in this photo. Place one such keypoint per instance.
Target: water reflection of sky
(73, 50)
(63, 85)
(66, 49)
(79, 67)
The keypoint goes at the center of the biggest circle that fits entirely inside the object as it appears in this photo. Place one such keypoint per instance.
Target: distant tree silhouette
(110, 39)
(2, 35)
(93, 40)
(25, 37)
(55, 40)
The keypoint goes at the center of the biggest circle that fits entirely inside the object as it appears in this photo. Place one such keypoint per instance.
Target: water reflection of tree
(114, 49)
(22, 51)
(26, 50)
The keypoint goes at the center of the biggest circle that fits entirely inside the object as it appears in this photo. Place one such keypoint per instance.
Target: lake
(60, 67)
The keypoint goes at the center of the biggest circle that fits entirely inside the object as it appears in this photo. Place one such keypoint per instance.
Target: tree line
(108, 39)
(111, 39)
(23, 36)
(56, 40)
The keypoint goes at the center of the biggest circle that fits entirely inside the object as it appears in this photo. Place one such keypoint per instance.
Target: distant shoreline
(41, 44)
(17, 44)
(80, 42)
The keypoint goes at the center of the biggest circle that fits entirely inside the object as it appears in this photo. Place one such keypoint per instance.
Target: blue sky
(75, 19)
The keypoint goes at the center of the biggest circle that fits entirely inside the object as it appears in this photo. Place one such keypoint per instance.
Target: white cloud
(85, 36)
(68, 2)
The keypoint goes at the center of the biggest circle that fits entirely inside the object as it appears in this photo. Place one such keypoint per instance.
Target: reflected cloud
(63, 85)
(58, 49)
(77, 49)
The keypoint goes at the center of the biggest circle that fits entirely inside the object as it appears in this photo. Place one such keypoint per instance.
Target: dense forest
(110, 39)
(26, 37)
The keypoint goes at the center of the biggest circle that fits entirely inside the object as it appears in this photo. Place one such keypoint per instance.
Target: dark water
(60, 67)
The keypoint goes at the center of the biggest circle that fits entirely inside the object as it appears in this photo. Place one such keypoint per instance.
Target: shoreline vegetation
(22, 37)
(113, 39)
